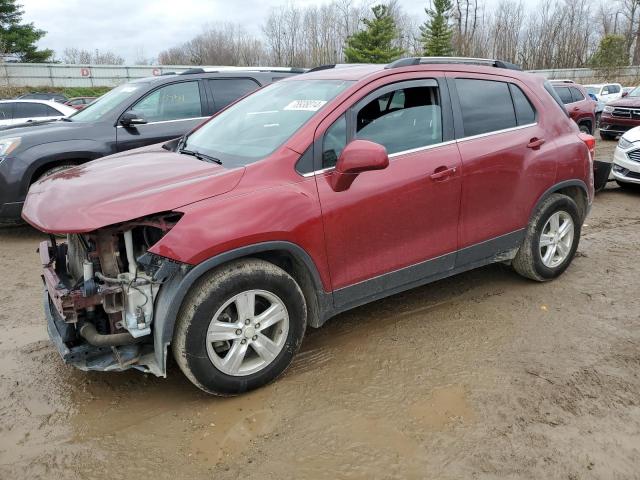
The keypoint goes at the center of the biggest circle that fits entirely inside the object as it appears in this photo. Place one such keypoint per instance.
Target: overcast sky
(123, 26)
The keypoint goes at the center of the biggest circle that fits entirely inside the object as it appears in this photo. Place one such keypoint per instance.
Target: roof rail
(561, 80)
(406, 62)
(336, 65)
(196, 70)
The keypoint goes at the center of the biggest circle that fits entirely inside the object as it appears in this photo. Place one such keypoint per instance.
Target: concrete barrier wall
(67, 75)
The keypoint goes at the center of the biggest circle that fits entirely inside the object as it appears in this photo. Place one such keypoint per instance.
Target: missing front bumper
(91, 358)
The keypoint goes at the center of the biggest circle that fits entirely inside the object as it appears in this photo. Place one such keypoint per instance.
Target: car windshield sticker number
(306, 105)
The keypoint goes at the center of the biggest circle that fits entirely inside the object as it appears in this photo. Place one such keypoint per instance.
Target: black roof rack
(336, 65)
(406, 62)
(195, 70)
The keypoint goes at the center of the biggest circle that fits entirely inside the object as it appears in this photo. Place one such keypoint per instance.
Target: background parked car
(78, 103)
(605, 92)
(626, 160)
(54, 97)
(136, 114)
(620, 115)
(14, 112)
(579, 104)
(626, 90)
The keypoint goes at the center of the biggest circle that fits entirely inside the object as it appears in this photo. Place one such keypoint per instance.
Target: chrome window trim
(497, 132)
(435, 145)
(168, 121)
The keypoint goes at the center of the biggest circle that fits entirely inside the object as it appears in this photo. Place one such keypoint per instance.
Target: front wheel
(606, 136)
(239, 327)
(551, 240)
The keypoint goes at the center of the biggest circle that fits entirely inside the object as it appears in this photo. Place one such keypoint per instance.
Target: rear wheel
(239, 327)
(585, 128)
(551, 240)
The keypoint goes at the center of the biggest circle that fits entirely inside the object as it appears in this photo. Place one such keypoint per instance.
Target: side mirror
(624, 94)
(130, 119)
(357, 157)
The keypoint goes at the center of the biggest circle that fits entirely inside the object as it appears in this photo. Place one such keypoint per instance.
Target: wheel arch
(286, 255)
(575, 189)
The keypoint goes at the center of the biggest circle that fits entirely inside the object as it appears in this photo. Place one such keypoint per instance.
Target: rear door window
(565, 94)
(576, 94)
(228, 90)
(6, 111)
(175, 101)
(29, 110)
(486, 106)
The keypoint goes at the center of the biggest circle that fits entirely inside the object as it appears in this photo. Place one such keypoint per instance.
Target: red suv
(620, 115)
(581, 108)
(312, 196)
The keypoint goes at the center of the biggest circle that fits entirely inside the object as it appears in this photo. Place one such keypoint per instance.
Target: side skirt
(498, 249)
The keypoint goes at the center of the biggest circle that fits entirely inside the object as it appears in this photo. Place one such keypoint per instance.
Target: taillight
(590, 142)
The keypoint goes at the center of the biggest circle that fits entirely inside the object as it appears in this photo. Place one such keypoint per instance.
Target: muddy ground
(484, 375)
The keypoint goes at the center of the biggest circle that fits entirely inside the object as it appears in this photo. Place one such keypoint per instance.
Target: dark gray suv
(136, 114)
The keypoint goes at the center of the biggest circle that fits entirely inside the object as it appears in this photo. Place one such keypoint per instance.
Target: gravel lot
(484, 375)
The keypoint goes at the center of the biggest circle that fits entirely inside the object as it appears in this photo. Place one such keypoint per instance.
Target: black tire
(585, 128)
(606, 136)
(207, 296)
(528, 261)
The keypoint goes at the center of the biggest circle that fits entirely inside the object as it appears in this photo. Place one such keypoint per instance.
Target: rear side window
(525, 113)
(31, 110)
(5, 111)
(228, 90)
(486, 106)
(576, 94)
(565, 95)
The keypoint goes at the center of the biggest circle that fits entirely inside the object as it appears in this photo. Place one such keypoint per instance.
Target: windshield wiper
(200, 156)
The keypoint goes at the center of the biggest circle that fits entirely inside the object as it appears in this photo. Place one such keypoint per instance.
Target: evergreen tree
(19, 39)
(436, 32)
(374, 44)
(611, 53)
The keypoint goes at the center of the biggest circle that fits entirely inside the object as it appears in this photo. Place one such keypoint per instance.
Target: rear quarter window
(551, 91)
(525, 112)
(576, 94)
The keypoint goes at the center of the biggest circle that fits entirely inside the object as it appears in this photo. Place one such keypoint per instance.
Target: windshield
(103, 105)
(634, 93)
(254, 127)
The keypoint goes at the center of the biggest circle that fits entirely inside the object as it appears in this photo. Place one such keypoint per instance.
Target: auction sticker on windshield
(306, 105)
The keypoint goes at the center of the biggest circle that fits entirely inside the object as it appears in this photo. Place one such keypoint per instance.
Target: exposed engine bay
(102, 287)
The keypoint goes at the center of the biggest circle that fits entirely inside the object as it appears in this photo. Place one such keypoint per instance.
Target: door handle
(535, 143)
(442, 173)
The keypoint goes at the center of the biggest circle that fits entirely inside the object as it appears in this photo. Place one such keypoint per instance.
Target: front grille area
(619, 112)
(634, 155)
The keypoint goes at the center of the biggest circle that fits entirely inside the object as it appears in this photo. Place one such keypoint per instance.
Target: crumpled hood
(123, 187)
(629, 102)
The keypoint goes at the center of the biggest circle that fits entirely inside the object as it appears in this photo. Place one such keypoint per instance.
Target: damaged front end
(101, 291)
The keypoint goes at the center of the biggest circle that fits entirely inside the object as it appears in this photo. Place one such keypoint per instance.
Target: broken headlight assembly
(104, 284)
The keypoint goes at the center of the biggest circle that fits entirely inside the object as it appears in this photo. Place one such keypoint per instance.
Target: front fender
(175, 289)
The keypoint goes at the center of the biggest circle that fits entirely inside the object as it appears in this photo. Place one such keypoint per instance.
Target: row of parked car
(615, 110)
